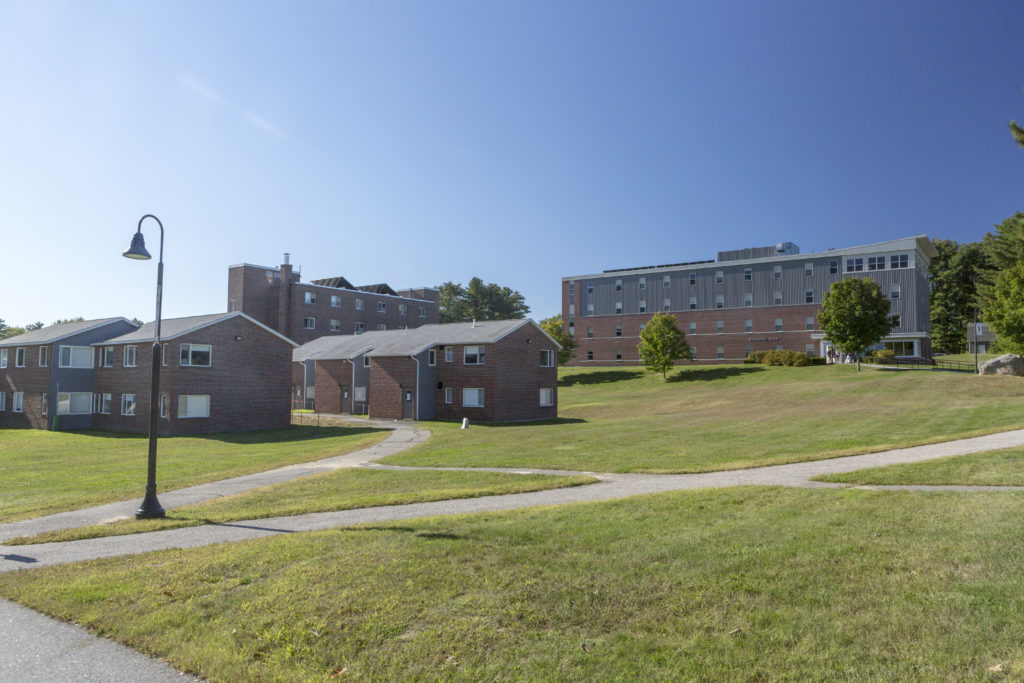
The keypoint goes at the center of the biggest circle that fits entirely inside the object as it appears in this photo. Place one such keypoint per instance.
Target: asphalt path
(38, 640)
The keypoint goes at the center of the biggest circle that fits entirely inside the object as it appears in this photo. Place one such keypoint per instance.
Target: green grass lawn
(43, 472)
(968, 357)
(340, 490)
(726, 417)
(997, 468)
(752, 584)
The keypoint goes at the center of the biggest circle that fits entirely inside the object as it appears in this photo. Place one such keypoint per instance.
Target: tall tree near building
(1003, 248)
(954, 275)
(662, 343)
(1017, 132)
(556, 329)
(1005, 310)
(855, 314)
(479, 301)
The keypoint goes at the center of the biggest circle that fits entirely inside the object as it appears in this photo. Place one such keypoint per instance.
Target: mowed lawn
(995, 468)
(752, 584)
(727, 417)
(43, 472)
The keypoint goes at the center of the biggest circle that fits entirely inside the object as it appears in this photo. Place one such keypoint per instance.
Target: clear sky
(419, 142)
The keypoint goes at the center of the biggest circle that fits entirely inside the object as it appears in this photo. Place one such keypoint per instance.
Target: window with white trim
(666, 281)
(778, 324)
(19, 357)
(106, 356)
(127, 404)
(854, 265)
(618, 307)
(473, 355)
(693, 327)
(719, 326)
(3, 401)
(382, 307)
(666, 304)
(777, 272)
(403, 309)
(590, 332)
(360, 328)
(423, 311)
(44, 356)
(18, 404)
(547, 396)
(75, 357)
(833, 267)
(876, 263)
(719, 277)
(720, 353)
(643, 306)
(3, 358)
(547, 358)
(196, 355)
(747, 350)
(808, 269)
(360, 305)
(163, 406)
(894, 291)
(335, 325)
(899, 261)
(618, 285)
(309, 322)
(335, 301)
(310, 297)
(44, 404)
(777, 298)
(366, 361)
(130, 353)
(719, 301)
(809, 350)
(643, 283)
(748, 325)
(618, 354)
(809, 323)
(590, 288)
(448, 398)
(193, 405)
(432, 357)
(590, 309)
(809, 296)
(449, 354)
(74, 403)
(748, 299)
(693, 278)
(693, 352)
(473, 398)
(748, 274)
(101, 403)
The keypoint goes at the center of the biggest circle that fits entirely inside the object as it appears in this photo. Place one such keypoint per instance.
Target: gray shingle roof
(408, 342)
(48, 335)
(176, 327)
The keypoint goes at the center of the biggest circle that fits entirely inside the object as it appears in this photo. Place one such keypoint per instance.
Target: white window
(18, 404)
(876, 263)
(693, 278)
(618, 307)
(666, 304)
(720, 352)
(335, 325)
(808, 269)
(106, 356)
(854, 265)
(473, 355)
(809, 296)
(432, 357)
(74, 403)
(590, 309)
(547, 396)
(101, 404)
(44, 404)
(382, 326)
(360, 305)
(127, 404)
(618, 285)
(449, 354)
(693, 303)
(809, 350)
(335, 301)
(44, 356)
(720, 326)
(748, 274)
(403, 309)
(719, 301)
(809, 323)
(693, 352)
(310, 297)
(164, 354)
(899, 261)
(777, 272)
(719, 277)
(666, 281)
(163, 405)
(3, 358)
(590, 288)
(19, 357)
(643, 283)
(309, 322)
(382, 307)
(423, 311)
(193, 406)
(473, 398)
(894, 291)
(643, 307)
(547, 358)
(748, 299)
(129, 355)
(360, 328)
(693, 327)
(833, 267)
(75, 357)
(777, 298)
(366, 361)
(3, 401)
(196, 355)
(778, 324)
(448, 394)
(748, 325)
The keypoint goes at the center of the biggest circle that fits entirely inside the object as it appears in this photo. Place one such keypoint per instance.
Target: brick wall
(34, 381)
(388, 377)
(332, 376)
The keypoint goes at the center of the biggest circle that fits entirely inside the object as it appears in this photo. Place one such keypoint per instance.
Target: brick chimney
(284, 300)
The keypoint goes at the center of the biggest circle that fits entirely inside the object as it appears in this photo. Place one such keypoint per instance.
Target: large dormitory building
(746, 300)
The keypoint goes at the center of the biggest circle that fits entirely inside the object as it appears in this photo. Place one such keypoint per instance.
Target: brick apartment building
(490, 371)
(279, 299)
(221, 372)
(746, 300)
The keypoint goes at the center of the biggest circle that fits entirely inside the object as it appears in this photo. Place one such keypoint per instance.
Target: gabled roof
(337, 282)
(53, 333)
(410, 342)
(382, 288)
(172, 328)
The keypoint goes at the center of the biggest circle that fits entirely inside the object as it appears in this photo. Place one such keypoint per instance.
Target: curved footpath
(47, 641)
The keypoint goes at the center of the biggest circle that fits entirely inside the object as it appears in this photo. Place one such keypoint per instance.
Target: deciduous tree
(556, 330)
(855, 314)
(662, 343)
(1005, 311)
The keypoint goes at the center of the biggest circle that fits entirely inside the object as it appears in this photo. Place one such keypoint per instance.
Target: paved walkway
(50, 639)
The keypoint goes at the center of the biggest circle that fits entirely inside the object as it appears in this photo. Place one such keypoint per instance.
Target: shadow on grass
(261, 436)
(434, 535)
(602, 377)
(531, 423)
(711, 374)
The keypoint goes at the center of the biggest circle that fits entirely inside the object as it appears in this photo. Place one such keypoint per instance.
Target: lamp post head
(138, 248)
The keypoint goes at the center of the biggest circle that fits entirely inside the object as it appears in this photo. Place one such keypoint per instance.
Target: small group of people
(833, 357)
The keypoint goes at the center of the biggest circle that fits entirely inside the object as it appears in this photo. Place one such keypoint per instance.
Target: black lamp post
(151, 507)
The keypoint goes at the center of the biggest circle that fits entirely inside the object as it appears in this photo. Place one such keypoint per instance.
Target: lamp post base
(150, 508)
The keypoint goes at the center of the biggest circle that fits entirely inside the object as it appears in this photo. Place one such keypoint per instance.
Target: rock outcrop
(1007, 364)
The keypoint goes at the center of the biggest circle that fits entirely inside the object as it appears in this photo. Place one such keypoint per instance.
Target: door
(407, 410)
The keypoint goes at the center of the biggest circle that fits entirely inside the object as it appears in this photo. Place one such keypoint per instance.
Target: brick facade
(33, 381)
(390, 378)
(333, 380)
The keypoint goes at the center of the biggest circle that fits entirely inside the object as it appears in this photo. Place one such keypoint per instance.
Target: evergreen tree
(662, 343)
(953, 276)
(479, 301)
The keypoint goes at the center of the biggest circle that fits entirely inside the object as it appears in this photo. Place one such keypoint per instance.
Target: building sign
(765, 339)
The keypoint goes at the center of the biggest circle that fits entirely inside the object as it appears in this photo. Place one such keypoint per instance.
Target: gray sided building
(304, 311)
(746, 300)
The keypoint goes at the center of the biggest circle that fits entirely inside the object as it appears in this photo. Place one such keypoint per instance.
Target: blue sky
(419, 142)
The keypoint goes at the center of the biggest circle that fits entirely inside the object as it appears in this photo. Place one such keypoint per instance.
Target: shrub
(884, 355)
(790, 358)
(756, 356)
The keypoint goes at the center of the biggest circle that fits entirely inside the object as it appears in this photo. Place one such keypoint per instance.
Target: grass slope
(43, 472)
(998, 468)
(739, 584)
(727, 417)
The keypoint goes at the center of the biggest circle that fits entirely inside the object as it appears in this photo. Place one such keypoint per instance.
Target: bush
(790, 358)
(884, 355)
(756, 356)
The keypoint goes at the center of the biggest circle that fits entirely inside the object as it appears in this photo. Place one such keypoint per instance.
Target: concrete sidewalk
(51, 639)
